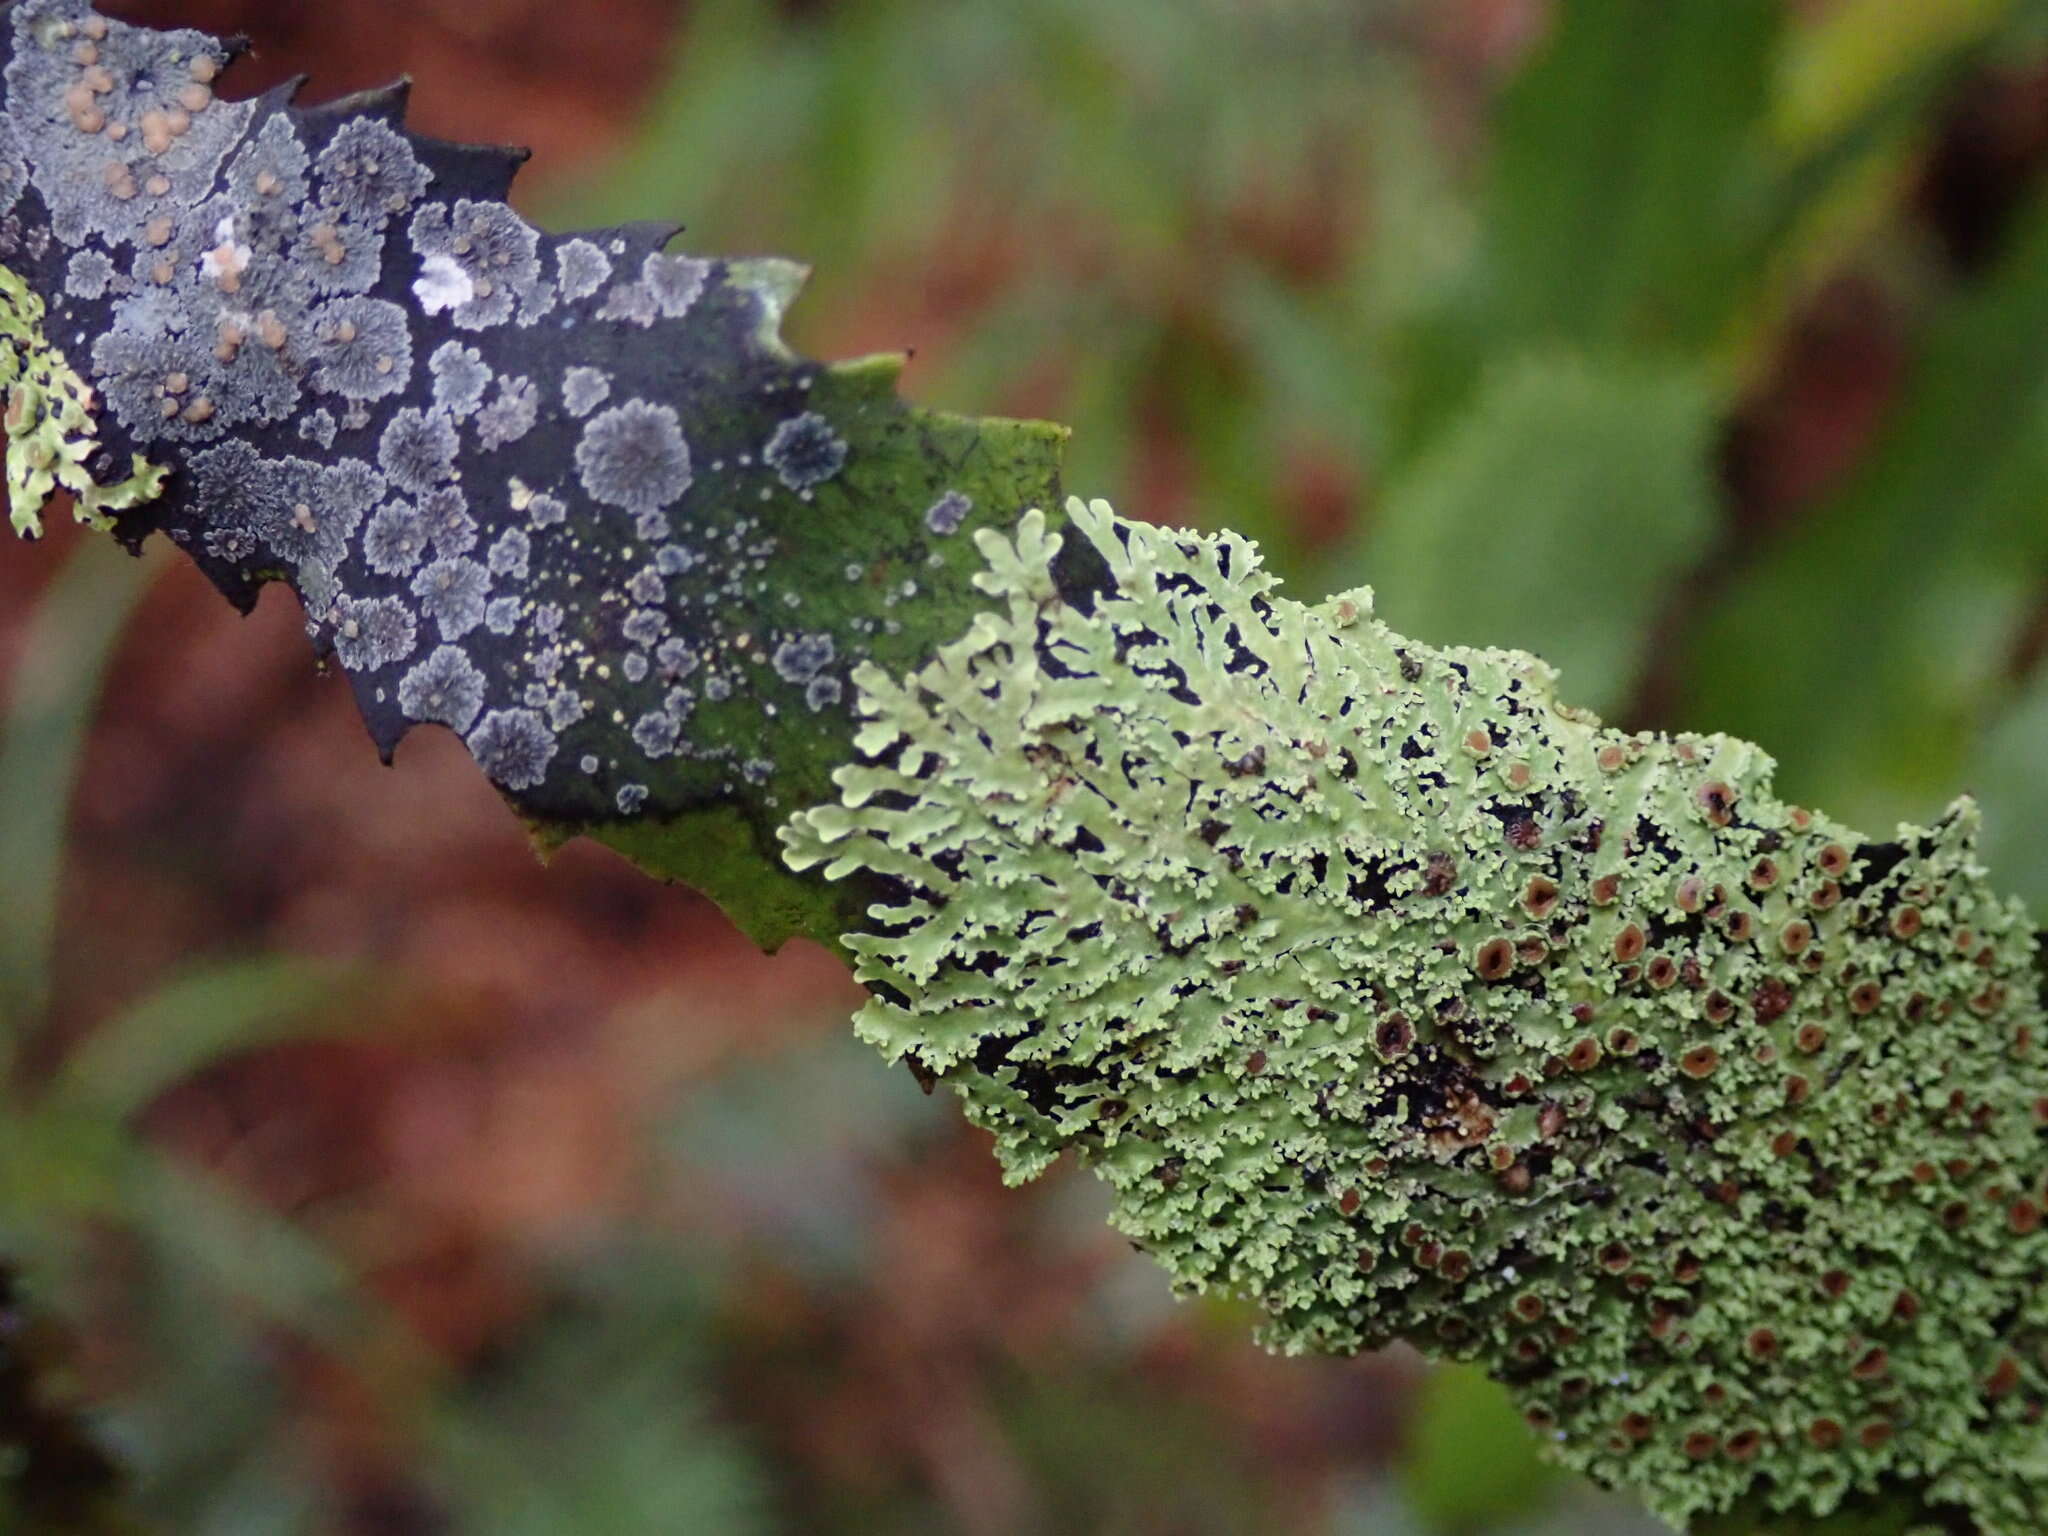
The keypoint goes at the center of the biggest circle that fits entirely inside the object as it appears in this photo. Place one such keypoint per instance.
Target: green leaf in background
(248, 1252)
(207, 1015)
(1627, 190)
(1865, 647)
(42, 734)
(1471, 1462)
(1554, 515)
(192, 1437)
(199, 1434)
(1626, 181)
(2008, 772)
(1845, 61)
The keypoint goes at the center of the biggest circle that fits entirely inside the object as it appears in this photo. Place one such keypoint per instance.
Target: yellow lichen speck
(51, 432)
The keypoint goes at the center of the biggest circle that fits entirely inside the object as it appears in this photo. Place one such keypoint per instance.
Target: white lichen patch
(584, 390)
(118, 128)
(443, 285)
(363, 348)
(370, 173)
(446, 688)
(945, 515)
(634, 456)
(513, 747)
(417, 450)
(584, 268)
(511, 414)
(460, 378)
(478, 259)
(1390, 992)
(804, 451)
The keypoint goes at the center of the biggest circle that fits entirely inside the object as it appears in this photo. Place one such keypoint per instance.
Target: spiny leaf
(567, 495)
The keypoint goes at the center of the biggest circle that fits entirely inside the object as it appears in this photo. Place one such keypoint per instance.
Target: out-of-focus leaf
(211, 1272)
(1317, 366)
(1625, 183)
(1368, 1508)
(732, 78)
(248, 1252)
(2008, 772)
(1229, 448)
(600, 1424)
(206, 1015)
(55, 689)
(1858, 96)
(1628, 187)
(70, 1151)
(199, 1432)
(1110, 1456)
(1470, 1460)
(1850, 56)
(1554, 515)
(1863, 648)
(1319, 353)
(1668, 175)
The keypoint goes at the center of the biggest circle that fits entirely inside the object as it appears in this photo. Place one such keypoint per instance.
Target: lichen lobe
(1391, 993)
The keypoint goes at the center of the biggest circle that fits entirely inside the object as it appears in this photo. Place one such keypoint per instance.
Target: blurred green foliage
(1559, 465)
(595, 1424)
(1454, 1487)
(1871, 644)
(74, 1174)
(600, 1421)
(2005, 768)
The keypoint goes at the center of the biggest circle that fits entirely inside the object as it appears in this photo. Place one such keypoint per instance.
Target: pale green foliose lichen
(1396, 996)
(51, 432)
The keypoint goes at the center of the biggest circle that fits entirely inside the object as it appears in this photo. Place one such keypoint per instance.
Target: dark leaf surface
(569, 496)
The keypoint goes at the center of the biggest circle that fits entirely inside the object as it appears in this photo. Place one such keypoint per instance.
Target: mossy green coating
(51, 432)
(717, 851)
(1397, 996)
